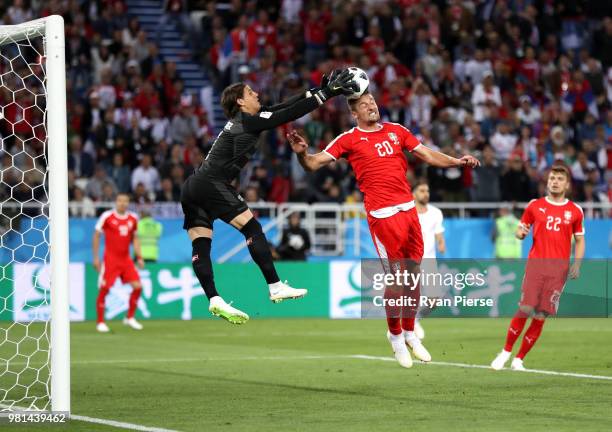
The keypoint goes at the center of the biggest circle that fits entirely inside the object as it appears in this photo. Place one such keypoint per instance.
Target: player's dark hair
(352, 103)
(561, 168)
(229, 99)
(419, 182)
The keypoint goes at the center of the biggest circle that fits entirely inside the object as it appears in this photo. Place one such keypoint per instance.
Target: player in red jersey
(555, 220)
(376, 152)
(119, 228)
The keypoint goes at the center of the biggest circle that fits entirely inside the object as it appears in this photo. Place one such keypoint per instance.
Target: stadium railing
(269, 209)
(334, 228)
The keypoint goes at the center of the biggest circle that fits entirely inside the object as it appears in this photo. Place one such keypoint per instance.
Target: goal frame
(52, 29)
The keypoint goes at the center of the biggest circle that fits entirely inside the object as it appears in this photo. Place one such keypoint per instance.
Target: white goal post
(51, 64)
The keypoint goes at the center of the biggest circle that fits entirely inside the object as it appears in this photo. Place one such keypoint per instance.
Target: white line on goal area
(474, 366)
(331, 357)
(190, 359)
(113, 423)
(118, 424)
(324, 357)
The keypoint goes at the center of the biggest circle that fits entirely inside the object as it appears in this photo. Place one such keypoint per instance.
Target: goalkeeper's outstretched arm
(310, 162)
(287, 103)
(298, 106)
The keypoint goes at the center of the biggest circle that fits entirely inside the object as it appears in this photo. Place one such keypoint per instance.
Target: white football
(362, 80)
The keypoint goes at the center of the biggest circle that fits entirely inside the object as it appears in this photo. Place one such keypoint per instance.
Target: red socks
(393, 312)
(131, 308)
(514, 331)
(100, 303)
(402, 317)
(408, 323)
(531, 336)
(133, 302)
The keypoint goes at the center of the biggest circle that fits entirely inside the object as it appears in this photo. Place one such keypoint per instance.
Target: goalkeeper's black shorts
(205, 199)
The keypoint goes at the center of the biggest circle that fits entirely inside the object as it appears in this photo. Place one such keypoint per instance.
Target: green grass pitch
(293, 375)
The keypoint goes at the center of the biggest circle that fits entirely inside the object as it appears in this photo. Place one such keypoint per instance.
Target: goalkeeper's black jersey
(238, 141)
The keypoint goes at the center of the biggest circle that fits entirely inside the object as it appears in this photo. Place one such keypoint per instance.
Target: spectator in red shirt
(390, 71)
(264, 31)
(529, 68)
(244, 41)
(373, 45)
(146, 98)
(285, 49)
(315, 38)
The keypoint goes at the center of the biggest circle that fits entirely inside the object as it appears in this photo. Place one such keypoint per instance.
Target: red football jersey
(379, 162)
(553, 226)
(118, 233)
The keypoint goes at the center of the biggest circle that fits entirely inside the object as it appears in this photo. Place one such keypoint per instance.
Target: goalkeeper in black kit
(208, 193)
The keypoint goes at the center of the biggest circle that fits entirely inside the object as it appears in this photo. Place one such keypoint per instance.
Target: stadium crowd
(519, 83)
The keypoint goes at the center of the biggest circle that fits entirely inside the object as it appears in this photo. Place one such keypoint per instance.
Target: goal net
(34, 313)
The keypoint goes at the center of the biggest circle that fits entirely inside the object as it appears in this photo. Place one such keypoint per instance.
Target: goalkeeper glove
(338, 83)
(324, 81)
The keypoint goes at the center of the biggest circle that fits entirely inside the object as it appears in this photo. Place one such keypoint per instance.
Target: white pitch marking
(326, 357)
(118, 424)
(475, 366)
(355, 356)
(192, 359)
(113, 423)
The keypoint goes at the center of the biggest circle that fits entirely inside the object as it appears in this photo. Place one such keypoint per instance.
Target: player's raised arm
(439, 159)
(294, 99)
(341, 84)
(310, 162)
(287, 103)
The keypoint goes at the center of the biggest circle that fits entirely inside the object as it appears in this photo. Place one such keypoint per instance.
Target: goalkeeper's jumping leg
(202, 266)
(260, 252)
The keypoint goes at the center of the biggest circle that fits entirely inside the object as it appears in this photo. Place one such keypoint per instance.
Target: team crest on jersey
(393, 138)
(228, 125)
(568, 216)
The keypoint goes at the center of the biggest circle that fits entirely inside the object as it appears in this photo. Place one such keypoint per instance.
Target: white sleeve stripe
(417, 146)
(579, 208)
(401, 125)
(582, 224)
(332, 142)
(102, 219)
(329, 154)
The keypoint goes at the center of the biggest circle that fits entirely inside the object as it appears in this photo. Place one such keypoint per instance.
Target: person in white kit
(431, 219)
